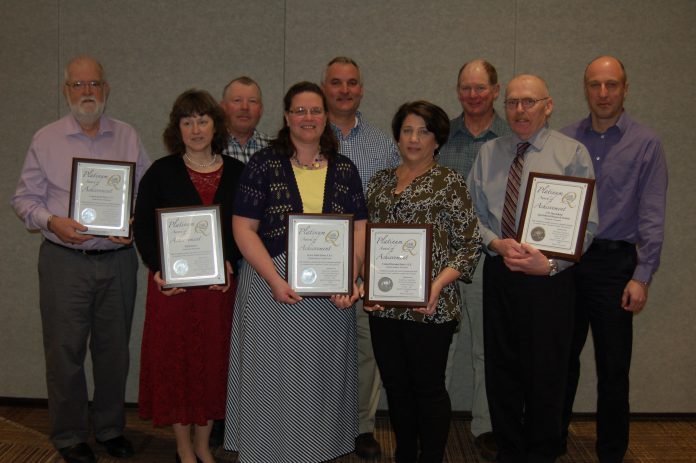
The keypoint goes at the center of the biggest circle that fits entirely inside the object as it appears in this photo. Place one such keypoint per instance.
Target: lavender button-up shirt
(631, 172)
(44, 185)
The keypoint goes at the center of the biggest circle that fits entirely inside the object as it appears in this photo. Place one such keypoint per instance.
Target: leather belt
(610, 245)
(90, 252)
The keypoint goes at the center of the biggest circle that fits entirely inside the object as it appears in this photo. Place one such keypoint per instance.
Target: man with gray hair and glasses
(371, 150)
(528, 298)
(87, 283)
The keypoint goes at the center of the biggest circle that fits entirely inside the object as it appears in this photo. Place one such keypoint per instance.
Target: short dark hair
(341, 60)
(490, 70)
(195, 103)
(328, 144)
(436, 119)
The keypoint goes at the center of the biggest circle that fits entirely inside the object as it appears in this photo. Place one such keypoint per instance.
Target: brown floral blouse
(438, 197)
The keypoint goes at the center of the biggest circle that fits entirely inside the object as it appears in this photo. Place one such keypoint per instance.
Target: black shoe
(118, 447)
(486, 445)
(217, 434)
(367, 447)
(78, 453)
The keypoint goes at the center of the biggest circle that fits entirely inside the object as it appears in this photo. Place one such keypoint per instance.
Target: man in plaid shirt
(241, 101)
(477, 90)
(371, 150)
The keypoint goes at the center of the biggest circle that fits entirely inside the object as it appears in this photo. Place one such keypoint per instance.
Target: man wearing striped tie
(527, 298)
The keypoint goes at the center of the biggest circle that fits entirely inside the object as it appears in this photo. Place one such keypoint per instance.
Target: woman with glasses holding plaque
(411, 344)
(185, 346)
(293, 374)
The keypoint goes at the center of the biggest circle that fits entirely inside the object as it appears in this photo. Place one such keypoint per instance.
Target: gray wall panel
(407, 49)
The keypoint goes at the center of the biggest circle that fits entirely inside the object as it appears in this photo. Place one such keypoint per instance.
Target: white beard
(84, 116)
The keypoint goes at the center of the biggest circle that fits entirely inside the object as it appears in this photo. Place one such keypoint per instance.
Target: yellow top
(311, 183)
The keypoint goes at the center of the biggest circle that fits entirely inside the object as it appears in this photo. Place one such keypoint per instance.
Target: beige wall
(408, 49)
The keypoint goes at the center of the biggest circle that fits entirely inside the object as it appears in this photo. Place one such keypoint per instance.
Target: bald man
(527, 298)
(613, 277)
(87, 283)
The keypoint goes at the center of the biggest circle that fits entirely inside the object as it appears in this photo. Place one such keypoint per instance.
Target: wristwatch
(553, 267)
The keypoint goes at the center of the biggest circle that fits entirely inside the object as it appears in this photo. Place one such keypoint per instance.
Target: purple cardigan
(268, 192)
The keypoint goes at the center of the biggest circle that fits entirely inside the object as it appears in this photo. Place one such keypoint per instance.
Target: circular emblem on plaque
(88, 215)
(308, 276)
(332, 237)
(181, 267)
(385, 284)
(538, 233)
(202, 227)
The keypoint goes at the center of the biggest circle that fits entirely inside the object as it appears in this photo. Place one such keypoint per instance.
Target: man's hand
(66, 229)
(531, 261)
(634, 297)
(506, 247)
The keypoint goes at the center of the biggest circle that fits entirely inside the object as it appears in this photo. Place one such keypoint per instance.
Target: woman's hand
(282, 292)
(432, 301)
(167, 292)
(228, 268)
(344, 301)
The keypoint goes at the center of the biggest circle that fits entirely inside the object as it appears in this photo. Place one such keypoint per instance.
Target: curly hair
(195, 103)
(328, 144)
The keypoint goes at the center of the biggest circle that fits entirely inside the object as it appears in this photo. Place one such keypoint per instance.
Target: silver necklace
(188, 158)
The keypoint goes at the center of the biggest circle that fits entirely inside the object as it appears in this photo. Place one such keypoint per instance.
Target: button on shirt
(258, 141)
(550, 152)
(461, 149)
(631, 169)
(370, 149)
(44, 184)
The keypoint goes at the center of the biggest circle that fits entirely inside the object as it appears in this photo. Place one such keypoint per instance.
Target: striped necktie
(512, 192)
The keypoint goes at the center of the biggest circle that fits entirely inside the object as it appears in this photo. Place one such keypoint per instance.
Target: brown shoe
(486, 445)
(367, 447)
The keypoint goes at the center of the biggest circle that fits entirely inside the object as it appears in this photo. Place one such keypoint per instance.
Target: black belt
(90, 252)
(610, 245)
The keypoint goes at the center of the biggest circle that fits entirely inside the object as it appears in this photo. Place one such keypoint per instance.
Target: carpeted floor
(23, 439)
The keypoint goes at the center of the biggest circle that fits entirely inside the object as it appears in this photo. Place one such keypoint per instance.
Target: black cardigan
(167, 184)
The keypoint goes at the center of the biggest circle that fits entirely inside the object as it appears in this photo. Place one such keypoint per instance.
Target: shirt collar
(74, 128)
(496, 128)
(621, 124)
(537, 140)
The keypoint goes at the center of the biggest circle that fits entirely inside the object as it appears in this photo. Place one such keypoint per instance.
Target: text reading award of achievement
(191, 251)
(101, 196)
(398, 260)
(320, 254)
(555, 213)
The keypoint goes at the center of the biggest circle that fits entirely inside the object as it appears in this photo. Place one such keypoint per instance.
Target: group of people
(298, 378)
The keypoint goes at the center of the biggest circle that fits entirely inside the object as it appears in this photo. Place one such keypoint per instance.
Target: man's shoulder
(637, 129)
(58, 127)
(370, 131)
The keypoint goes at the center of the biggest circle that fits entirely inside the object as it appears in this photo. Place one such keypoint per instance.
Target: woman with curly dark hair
(185, 345)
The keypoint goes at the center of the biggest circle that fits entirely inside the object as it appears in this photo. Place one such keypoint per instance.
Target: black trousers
(412, 358)
(600, 279)
(528, 323)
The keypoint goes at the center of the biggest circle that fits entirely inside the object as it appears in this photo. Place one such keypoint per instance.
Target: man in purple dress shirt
(613, 276)
(87, 284)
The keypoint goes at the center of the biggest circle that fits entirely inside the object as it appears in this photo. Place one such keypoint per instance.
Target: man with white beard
(87, 284)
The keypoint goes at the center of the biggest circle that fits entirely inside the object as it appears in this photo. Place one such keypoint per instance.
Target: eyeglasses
(80, 84)
(301, 111)
(527, 103)
(477, 89)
